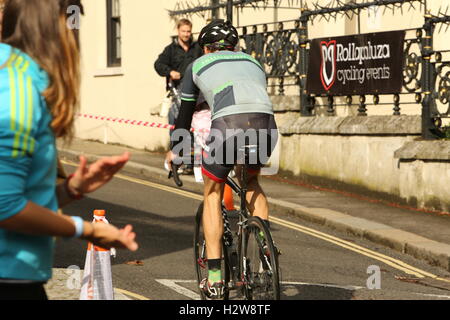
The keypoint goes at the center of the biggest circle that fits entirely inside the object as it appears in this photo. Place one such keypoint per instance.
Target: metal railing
(277, 50)
(283, 49)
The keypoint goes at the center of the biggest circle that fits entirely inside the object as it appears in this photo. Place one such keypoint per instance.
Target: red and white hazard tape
(147, 124)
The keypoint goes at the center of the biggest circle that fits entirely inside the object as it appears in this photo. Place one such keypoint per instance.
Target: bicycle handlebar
(176, 177)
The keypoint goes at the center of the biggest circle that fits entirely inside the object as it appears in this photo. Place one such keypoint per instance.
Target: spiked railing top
(442, 18)
(184, 7)
(336, 8)
(333, 10)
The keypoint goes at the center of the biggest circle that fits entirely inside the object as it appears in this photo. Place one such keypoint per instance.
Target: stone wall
(425, 173)
(375, 154)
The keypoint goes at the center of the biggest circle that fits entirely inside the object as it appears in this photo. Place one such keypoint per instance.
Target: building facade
(122, 39)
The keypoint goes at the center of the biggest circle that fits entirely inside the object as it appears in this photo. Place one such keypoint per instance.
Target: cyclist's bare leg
(256, 198)
(212, 217)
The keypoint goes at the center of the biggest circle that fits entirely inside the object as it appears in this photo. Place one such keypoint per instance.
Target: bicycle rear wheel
(259, 262)
(201, 261)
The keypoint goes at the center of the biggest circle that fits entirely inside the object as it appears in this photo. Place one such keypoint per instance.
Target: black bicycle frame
(243, 214)
(241, 191)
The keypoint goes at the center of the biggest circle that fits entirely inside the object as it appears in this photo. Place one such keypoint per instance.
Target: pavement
(65, 285)
(420, 233)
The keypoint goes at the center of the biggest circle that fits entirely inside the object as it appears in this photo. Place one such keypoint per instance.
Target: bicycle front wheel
(259, 262)
(201, 261)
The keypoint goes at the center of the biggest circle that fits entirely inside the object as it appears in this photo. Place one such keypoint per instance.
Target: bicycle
(175, 96)
(175, 172)
(250, 257)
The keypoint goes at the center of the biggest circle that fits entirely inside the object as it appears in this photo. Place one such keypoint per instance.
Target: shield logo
(328, 65)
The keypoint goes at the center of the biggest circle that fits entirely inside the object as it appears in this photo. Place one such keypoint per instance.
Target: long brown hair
(2, 6)
(39, 28)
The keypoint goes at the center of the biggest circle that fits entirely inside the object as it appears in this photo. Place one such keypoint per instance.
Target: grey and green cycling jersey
(232, 83)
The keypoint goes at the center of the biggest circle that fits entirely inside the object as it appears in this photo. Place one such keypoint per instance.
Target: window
(114, 33)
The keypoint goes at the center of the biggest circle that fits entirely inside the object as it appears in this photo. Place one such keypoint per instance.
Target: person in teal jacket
(39, 85)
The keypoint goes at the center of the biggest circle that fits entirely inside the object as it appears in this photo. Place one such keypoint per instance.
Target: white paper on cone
(97, 277)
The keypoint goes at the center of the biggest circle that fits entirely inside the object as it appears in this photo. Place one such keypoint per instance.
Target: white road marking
(172, 284)
(179, 289)
(352, 288)
(433, 295)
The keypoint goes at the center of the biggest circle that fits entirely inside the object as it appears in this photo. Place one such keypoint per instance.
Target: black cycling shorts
(229, 134)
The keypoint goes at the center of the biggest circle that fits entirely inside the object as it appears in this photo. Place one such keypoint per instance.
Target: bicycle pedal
(233, 285)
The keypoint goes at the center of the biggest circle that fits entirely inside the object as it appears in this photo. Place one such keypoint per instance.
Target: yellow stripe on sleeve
(13, 106)
(19, 131)
(12, 86)
(27, 138)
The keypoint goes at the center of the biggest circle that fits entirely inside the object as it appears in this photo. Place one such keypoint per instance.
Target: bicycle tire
(200, 256)
(256, 283)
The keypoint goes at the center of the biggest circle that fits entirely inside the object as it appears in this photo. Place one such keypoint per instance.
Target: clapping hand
(88, 178)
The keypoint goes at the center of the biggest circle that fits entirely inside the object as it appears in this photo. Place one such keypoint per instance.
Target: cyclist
(234, 85)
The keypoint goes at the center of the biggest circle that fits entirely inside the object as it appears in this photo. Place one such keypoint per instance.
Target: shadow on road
(156, 235)
(314, 292)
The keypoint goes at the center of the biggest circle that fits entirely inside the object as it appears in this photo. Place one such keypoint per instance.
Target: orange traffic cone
(97, 278)
(228, 198)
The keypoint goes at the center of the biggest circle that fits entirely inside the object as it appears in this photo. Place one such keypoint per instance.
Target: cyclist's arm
(184, 121)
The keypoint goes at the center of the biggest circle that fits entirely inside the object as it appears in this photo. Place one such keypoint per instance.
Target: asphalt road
(316, 264)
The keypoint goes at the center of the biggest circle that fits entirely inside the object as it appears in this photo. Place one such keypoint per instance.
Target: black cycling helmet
(219, 34)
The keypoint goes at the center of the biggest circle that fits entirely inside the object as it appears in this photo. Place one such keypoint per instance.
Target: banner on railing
(355, 65)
